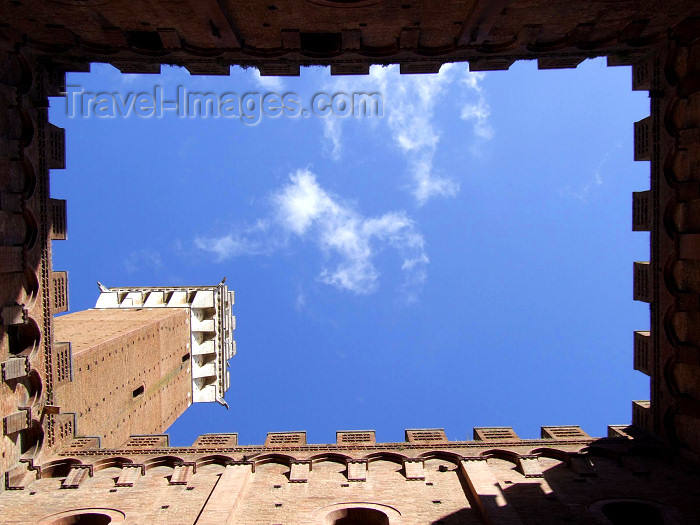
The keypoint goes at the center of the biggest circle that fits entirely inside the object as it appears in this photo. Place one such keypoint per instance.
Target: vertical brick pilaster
(226, 495)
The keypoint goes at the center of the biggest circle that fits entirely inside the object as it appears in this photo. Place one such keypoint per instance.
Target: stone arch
(681, 378)
(31, 229)
(360, 512)
(24, 338)
(671, 430)
(504, 465)
(34, 386)
(441, 454)
(110, 462)
(393, 457)
(357, 516)
(673, 328)
(25, 285)
(553, 460)
(282, 459)
(59, 468)
(26, 389)
(31, 440)
(683, 275)
(498, 453)
(681, 424)
(329, 468)
(30, 286)
(214, 459)
(619, 511)
(552, 453)
(29, 180)
(330, 456)
(162, 461)
(84, 516)
(440, 461)
(682, 327)
(273, 469)
(668, 373)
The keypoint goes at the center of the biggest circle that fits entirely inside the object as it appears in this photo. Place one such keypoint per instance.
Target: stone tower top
(211, 328)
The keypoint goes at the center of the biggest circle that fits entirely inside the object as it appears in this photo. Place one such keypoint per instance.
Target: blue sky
(464, 260)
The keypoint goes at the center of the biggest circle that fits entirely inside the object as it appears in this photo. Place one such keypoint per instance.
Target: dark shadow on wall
(612, 481)
(463, 516)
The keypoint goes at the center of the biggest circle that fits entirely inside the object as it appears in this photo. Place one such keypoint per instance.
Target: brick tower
(135, 362)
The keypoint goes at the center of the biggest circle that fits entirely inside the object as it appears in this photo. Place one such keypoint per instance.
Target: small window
(138, 391)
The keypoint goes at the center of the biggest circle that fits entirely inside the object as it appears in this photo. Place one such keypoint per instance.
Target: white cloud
(273, 84)
(409, 106)
(348, 240)
(302, 202)
(304, 208)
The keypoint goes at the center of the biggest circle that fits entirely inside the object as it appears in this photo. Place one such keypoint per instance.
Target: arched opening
(31, 229)
(28, 388)
(30, 287)
(27, 128)
(88, 518)
(31, 440)
(632, 513)
(357, 516)
(58, 468)
(29, 178)
(23, 338)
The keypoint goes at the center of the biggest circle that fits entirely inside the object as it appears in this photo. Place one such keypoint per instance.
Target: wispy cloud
(410, 118)
(251, 240)
(478, 111)
(304, 208)
(300, 302)
(348, 240)
(410, 102)
(273, 84)
(332, 134)
(583, 191)
(141, 259)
